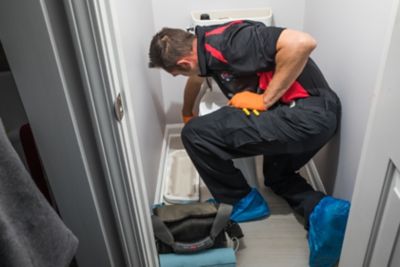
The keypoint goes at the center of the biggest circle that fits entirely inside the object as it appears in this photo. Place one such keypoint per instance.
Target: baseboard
(313, 176)
(170, 130)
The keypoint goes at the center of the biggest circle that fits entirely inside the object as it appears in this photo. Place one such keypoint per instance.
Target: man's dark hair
(168, 46)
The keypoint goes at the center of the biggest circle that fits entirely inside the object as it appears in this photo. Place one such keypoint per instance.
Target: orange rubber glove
(187, 118)
(244, 100)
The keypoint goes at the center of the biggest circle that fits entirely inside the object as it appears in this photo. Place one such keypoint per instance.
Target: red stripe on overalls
(295, 91)
(221, 29)
(212, 50)
(215, 53)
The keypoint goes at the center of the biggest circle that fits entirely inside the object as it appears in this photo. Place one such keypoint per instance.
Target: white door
(372, 237)
(105, 78)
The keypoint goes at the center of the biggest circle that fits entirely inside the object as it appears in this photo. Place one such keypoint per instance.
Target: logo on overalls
(226, 76)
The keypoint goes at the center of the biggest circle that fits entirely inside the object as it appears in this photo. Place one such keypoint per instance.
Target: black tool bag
(193, 227)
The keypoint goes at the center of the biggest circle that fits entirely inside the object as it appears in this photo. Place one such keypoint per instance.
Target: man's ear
(184, 63)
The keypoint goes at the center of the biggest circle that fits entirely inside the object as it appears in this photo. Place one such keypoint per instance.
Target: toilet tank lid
(263, 15)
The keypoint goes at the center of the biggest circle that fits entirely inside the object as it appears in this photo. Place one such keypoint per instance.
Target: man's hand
(248, 100)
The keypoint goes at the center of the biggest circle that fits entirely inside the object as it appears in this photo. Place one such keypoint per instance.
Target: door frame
(369, 196)
(104, 76)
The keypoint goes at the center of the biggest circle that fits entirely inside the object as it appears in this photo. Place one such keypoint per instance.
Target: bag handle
(162, 232)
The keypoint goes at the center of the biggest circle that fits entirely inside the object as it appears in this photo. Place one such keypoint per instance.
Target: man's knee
(186, 132)
(199, 130)
(190, 130)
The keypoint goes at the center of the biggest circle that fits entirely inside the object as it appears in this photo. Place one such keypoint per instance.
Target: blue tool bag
(192, 228)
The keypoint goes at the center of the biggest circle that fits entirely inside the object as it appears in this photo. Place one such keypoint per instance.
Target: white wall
(349, 36)
(135, 24)
(176, 13)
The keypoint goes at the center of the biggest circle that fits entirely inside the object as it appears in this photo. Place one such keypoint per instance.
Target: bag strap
(161, 231)
(221, 220)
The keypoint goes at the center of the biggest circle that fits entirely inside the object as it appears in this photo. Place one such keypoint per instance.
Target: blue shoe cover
(327, 225)
(251, 207)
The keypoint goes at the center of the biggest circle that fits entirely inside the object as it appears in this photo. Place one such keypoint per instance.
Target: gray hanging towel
(31, 233)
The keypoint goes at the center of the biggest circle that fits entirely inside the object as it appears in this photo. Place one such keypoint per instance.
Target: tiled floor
(277, 241)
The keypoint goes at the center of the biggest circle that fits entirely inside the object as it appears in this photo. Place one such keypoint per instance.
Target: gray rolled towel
(31, 232)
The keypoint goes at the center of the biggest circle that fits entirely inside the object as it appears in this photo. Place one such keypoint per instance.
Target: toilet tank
(263, 15)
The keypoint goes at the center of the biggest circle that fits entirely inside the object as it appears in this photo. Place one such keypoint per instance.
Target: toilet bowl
(212, 100)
